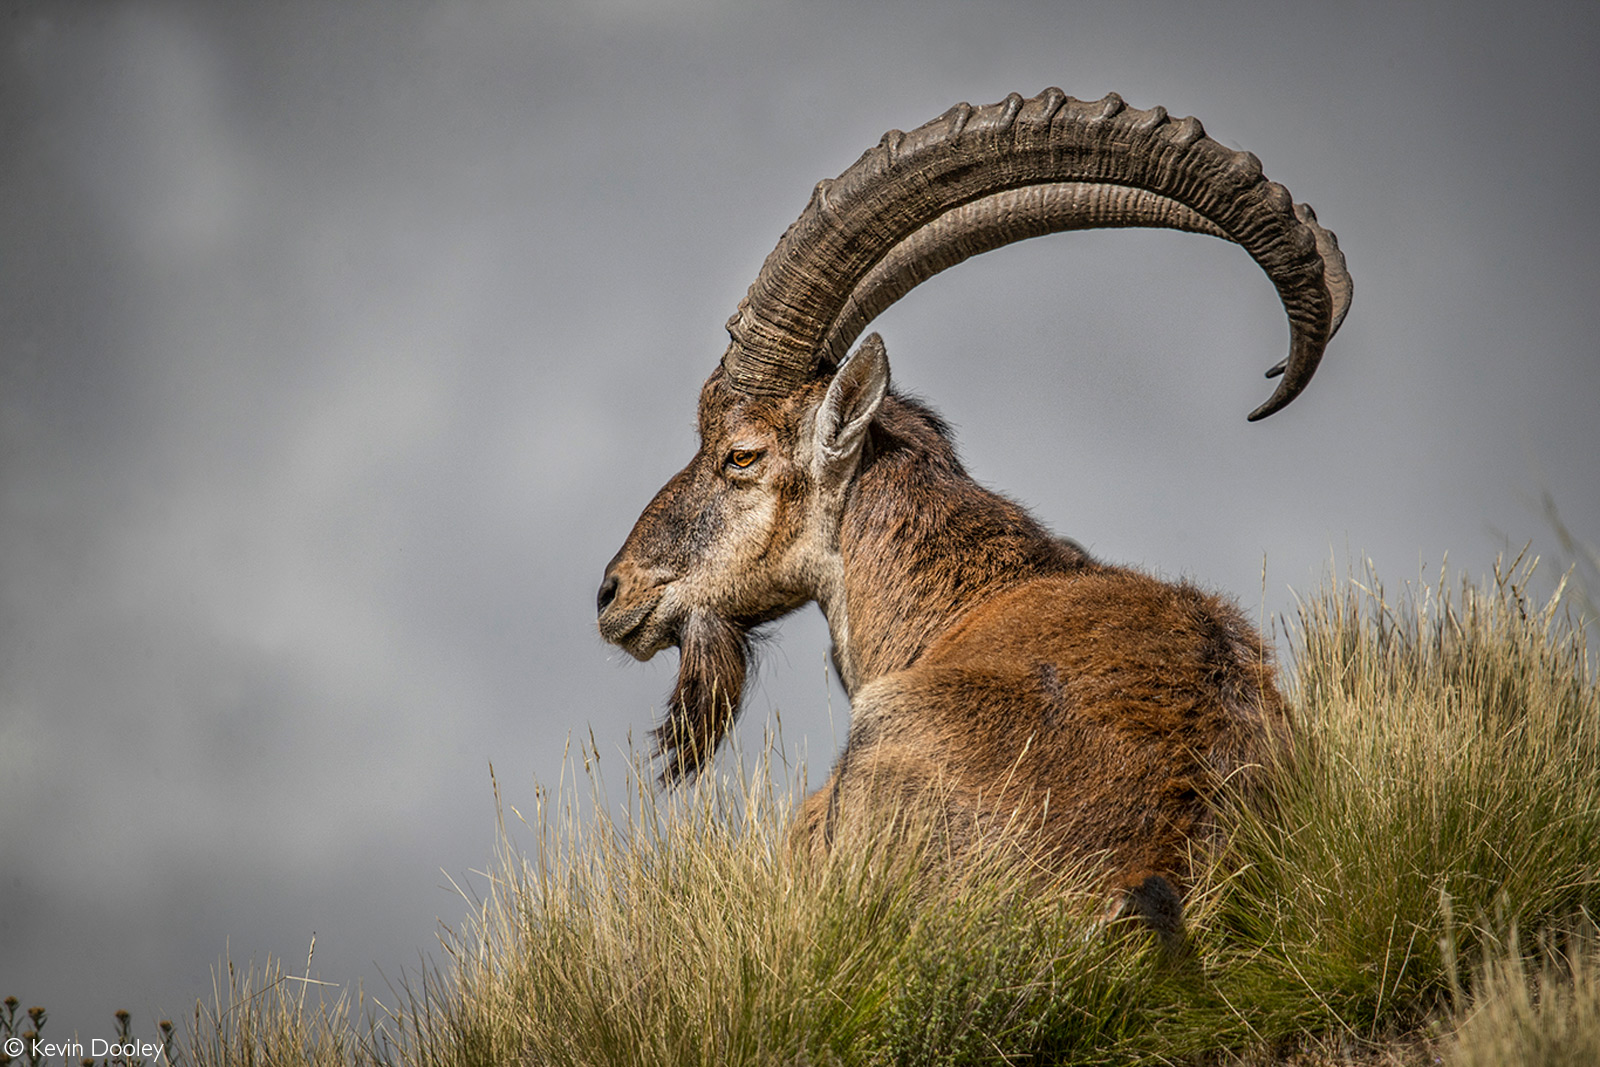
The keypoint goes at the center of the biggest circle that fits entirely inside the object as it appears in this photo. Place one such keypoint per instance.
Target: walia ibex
(1094, 704)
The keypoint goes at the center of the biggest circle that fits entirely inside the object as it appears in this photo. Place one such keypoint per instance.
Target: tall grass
(1419, 881)
(1443, 795)
(690, 933)
(267, 1016)
(1444, 792)
(1584, 567)
(1542, 1011)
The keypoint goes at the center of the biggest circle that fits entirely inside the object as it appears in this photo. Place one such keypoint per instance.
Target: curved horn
(975, 179)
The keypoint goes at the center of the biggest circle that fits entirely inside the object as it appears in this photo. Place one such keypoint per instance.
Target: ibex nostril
(608, 593)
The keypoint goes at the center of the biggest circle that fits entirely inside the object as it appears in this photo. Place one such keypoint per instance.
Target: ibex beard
(714, 655)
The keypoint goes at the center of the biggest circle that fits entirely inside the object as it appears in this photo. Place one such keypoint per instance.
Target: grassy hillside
(1422, 886)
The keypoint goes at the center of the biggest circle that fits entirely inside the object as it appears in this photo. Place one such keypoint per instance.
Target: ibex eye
(743, 457)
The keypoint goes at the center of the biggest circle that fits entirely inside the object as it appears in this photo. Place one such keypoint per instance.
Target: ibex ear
(852, 400)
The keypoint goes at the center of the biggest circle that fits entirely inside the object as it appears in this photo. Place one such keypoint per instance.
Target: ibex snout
(630, 609)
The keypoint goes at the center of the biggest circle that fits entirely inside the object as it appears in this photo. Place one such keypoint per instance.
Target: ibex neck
(920, 542)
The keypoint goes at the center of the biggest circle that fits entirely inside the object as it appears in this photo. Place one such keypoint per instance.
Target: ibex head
(751, 528)
(744, 534)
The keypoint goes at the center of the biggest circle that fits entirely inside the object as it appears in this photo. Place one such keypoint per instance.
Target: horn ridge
(974, 179)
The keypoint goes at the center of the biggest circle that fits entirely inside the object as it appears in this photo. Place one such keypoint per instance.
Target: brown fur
(983, 654)
(1101, 706)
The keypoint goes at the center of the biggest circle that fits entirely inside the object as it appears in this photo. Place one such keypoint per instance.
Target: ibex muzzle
(980, 651)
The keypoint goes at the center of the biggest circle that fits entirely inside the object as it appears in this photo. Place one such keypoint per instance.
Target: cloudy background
(341, 343)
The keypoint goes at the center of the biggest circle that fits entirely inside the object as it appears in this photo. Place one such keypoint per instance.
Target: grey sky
(341, 344)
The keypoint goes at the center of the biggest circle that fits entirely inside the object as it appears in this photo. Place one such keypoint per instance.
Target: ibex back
(1096, 705)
